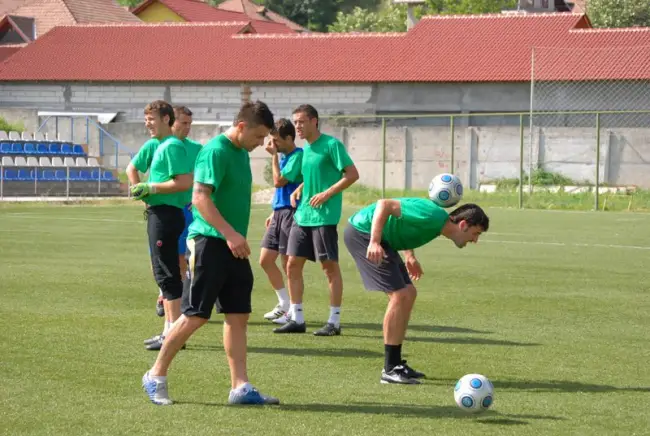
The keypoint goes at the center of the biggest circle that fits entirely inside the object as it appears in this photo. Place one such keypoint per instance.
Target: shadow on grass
(415, 328)
(461, 341)
(402, 410)
(550, 386)
(319, 352)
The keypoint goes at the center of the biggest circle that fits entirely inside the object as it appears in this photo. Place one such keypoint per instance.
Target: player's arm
(278, 180)
(140, 162)
(296, 194)
(385, 208)
(179, 167)
(179, 183)
(132, 174)
(206, 207)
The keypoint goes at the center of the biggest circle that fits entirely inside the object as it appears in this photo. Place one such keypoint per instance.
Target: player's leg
(234, 301)
(326, 244)
(300, 248)
(198, 299)
(268, 257)
(390, 277)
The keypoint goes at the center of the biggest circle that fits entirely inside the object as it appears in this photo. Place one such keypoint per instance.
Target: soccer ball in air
(474, 393)
(445, 190)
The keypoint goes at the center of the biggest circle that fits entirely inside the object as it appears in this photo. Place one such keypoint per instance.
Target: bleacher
(33, 165)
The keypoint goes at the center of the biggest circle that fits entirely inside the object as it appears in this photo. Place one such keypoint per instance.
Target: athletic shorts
(216, 276)
(315, 243)
(276, 237)
(390, 275)
(164, 226)
(182, 241)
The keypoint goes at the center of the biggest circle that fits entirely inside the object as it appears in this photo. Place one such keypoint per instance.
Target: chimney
(411, 21)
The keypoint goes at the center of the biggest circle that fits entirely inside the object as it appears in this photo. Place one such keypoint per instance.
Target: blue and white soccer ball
(445, 190)
(474, 393)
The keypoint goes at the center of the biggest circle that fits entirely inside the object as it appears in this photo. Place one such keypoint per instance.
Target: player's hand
(271, 148)
(141, 190)
(295, 196)
(413, 267)
(267, 223)
(319, 199)
(375, 253)
(238, 245)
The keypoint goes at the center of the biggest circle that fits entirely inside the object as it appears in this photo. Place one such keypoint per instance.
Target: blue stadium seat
(17, 148)
(85, 175)
(29, 148)
(42, 148)
(60, 175)
(5, 147)
(25, 175)
(55, 148)
(94, 175)
(108, 176)
(78, 150)
(11, 174)
(74, 174)
(66, 149)
(48, 175)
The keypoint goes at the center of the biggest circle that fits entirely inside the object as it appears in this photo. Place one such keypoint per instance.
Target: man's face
(251, 137)
(282, 145)
(154, 124)
(467, 234)
(305, 126)
(182, 126)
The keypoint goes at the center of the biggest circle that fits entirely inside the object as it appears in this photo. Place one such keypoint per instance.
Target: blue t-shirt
(290, 169)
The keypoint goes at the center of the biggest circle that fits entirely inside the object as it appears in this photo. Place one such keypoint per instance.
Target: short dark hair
(255, 114)
(284, 128)
(308, 110)
(162, 108)
(473, 214)
(184, 110)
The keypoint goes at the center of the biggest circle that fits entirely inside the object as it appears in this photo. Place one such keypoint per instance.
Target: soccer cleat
(156, 391)
(250, 397)
(328, 330)
(277, 312)
(160, 309)
(410, 372)
(157, 345)
(397, 375)
(291, 327)
(282, 320)
(152, 339)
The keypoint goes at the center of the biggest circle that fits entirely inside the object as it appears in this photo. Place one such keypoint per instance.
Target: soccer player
(181, 130)
(327, 170)
(219, 269)
(287, 177)
(165, 195)
(376, 233)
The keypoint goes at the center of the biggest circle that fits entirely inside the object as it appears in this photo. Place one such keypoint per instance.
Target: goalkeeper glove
(142, 190)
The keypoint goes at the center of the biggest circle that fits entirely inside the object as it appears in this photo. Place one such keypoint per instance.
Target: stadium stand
(32, 165)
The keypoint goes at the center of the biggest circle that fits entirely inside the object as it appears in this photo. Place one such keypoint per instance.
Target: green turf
(551, 306)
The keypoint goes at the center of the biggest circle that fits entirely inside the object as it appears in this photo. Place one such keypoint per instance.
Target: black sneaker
(398, 375)
(291, 327)
(410, 372)
(328, 330)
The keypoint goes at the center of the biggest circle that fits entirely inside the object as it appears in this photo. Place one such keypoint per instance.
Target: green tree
(619, 13)
(129, 3)
(6, 126)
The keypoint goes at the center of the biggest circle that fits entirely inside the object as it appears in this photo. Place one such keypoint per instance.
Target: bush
(268, 172)
(9, 127)
(540, 177)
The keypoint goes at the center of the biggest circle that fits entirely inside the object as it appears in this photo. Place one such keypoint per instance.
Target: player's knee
(406, 295)
(294, 267)
(331, 269)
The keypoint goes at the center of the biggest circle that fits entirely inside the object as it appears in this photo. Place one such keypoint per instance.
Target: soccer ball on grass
(474, 393)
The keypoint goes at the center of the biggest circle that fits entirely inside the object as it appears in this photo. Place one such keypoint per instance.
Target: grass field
(551, 306)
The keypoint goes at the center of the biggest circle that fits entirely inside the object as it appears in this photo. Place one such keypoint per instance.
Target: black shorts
(165, 225)
(390, 275)
(315, 243)
(216, 276)
(276, 237)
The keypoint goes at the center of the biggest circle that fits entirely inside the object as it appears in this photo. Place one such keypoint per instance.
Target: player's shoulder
(192, 143)
(421, 204)
(151, 142)
(331, 140)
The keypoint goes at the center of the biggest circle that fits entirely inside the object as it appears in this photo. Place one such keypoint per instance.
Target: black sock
(393, 356)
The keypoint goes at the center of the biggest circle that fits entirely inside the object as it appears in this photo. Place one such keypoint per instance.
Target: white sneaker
(283, 319)
(277, 312)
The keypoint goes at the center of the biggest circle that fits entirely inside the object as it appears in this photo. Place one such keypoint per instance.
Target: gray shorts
(390, 275)
(315, 243)
(276, 237)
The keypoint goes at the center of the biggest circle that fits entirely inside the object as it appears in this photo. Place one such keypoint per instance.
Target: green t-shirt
(193, 148)
(169, 160)
(421, 221)
(322, 166)
(227, 169)
(292, 169)
(142, 160)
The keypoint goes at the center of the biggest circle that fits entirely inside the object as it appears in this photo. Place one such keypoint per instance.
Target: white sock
(335, 316)
(244, 388)
(160, 292)
(296, 313)
(158, 378)
(168, 327)
(283, 297)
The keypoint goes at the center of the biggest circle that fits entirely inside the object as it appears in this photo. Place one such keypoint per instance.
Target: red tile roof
(484, 48)
(8, 50)
(196, 11)
(258, 12)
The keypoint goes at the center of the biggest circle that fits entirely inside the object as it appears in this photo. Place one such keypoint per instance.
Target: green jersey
(193, 148)
(322, 166)
(142, 160)
(227, 169)
(421, 221)
(170, 159)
